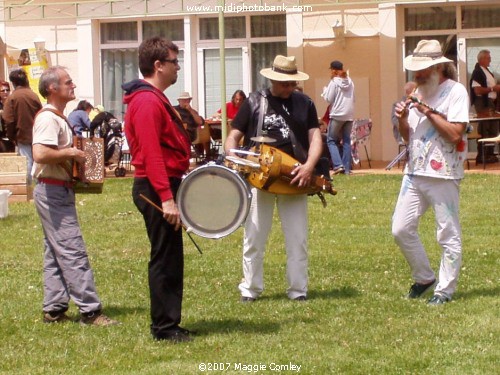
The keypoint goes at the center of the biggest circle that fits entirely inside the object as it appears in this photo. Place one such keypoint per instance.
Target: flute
(414, 99)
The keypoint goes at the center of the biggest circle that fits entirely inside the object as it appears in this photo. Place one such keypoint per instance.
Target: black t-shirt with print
(274, 124)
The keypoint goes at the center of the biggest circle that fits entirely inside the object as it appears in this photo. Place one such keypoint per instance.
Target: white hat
(184, 95)
(426, 54)
(284, 69)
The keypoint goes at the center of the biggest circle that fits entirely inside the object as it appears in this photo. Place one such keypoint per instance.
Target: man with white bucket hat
(433, 121)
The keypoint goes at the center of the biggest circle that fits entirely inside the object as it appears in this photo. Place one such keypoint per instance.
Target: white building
(98, 41)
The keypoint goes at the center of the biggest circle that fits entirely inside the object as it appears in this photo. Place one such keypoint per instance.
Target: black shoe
(417, 290)
(300, 298)
(437, 299)
(176, 336)
(185, 331)
(244, 299)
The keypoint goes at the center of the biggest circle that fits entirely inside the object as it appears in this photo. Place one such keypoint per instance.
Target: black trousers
(166, 265)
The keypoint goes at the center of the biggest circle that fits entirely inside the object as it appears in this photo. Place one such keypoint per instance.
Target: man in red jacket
(160, 149)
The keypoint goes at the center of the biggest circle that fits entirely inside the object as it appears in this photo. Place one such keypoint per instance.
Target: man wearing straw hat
(290, 118)
(433, 122)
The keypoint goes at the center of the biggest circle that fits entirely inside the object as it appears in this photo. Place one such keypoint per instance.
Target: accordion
(89, 176)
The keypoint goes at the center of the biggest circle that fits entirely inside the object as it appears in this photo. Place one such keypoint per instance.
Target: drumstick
(183, 226)
(244, 152)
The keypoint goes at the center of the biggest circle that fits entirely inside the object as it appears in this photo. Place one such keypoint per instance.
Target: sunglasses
(5, 90)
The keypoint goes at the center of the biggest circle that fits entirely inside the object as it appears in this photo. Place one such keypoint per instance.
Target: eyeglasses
(5, 90)
(173, 61)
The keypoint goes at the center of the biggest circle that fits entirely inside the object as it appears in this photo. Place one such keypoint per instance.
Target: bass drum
(213, 201)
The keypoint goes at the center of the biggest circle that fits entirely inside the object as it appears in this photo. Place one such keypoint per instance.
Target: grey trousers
(66, 268)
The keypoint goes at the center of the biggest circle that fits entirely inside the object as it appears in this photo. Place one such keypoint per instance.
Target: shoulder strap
(262, 112)
(60, 114)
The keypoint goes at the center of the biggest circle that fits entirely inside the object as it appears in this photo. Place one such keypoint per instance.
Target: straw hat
(426, 54)
(184, 95)
(284, 69)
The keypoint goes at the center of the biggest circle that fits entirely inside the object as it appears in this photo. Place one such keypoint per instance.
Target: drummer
(291, 121)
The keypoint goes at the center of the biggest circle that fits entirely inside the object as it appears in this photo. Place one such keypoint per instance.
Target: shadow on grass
(117, 311)
(341, 293)
(478, 292)
(226, 326)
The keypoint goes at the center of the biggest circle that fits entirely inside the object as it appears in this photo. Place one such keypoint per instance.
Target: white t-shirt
(52, 130)
(430, 154)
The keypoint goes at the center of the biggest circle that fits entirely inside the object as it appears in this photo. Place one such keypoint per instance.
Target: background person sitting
(79, 118)
(193, 122)
(234, 105)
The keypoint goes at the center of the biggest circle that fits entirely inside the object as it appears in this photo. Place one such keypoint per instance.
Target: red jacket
(160, 148)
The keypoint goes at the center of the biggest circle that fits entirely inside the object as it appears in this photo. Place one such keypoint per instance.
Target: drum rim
(243, 192)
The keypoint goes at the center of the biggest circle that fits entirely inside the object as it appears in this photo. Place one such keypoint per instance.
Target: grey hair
(50, 76)
(450, 71)
(482, 53)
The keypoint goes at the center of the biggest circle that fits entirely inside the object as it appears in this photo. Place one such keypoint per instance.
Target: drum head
(213, 201)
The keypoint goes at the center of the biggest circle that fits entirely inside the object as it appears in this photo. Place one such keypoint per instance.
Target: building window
(234, 28)
(119, 32)
(268, 26)
(234, 81)
(262, 57)
(118, 66)
(430, 18)
(169, 29)
(475, 17)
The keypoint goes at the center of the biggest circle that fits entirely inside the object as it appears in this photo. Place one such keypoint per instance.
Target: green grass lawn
(356, 320)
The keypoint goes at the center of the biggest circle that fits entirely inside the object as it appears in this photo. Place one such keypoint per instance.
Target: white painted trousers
(292, 210)
(416, 196)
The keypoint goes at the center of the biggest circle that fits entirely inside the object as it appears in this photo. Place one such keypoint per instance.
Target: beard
(428, 87)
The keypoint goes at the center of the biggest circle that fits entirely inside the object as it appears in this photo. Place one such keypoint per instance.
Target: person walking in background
(289, 117)
(160, 149)
(340, 95)
(19, 113)
(484, 96)
(79, 118)
(437, 144)
(66, 269)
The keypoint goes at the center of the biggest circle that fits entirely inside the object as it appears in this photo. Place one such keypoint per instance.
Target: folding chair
(360, 134)
(488, 142)
(201, 145)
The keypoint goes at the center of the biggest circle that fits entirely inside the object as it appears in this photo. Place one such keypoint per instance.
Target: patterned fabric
(360, 134)
(429, 153)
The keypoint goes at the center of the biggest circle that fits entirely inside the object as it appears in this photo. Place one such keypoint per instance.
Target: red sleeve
(149, 118)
